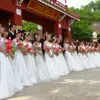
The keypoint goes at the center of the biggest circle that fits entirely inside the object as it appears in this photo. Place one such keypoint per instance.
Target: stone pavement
(83, 85)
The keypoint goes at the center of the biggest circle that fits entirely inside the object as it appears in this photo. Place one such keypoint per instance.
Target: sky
(77, 3)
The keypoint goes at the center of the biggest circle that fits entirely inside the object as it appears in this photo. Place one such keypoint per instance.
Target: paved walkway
(83, 85)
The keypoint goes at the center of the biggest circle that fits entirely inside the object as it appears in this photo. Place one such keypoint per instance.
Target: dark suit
(11, 36)
(32, 41)
(42, 42)
(61, 44)
(77, 44)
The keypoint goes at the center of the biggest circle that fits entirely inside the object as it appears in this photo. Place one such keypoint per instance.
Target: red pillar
(16, 17)
(58, 30)
(69, 34)
(44, 28)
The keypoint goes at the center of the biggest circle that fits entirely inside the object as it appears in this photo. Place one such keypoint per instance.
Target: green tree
(28, 26)
(81, 30)
(88, 14)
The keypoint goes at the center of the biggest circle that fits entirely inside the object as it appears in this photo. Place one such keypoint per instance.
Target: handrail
(57, 4)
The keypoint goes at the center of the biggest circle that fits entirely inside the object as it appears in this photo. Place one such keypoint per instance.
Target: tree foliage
(88, 14)
(28, 26)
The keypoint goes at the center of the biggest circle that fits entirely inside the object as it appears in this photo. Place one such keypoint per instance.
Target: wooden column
(58, 30)
(69, 34)
(44, 28)
(16, 17)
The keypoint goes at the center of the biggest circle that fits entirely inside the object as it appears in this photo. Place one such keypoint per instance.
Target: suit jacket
(77, 44)
(42, 42)
(32, 41)
(11, 36)
(61, 44)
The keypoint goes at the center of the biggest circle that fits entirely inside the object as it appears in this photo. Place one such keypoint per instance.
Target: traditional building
(52, 15)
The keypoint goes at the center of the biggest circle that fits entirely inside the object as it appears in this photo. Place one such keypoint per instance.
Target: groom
(12, 33)
(77, 44)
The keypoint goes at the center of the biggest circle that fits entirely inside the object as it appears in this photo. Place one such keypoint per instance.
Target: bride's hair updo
(35, 36)
(26, 35)
(48, 35)
(18, 32)
(5, 30)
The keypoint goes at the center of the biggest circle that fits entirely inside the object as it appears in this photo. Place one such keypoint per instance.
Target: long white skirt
(51, 67)
(7, 81)
(93, 59)
(31, 68)
(78, 64)
(17, 79)
(63, 65)
(42, 71)
(96, 57)
(73, 64)
(57, 64)
(86, 61)
(90, 61)
(69, 60)
(20, 68)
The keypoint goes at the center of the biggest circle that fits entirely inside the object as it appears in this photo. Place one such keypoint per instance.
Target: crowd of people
(27, 62)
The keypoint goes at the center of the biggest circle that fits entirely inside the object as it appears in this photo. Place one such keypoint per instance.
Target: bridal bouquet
(48, 49)
(82, 50)
(57, 51)
(61, 50)
(94, 49)
(87, 49)
(73, 49)
(99, 49)
(38, 47)
(90, 49)
(29, 50)
(20, 44)
(8, 45)
(9, 48)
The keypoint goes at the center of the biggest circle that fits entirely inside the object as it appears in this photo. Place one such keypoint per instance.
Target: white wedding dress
(60, 62)
(42, 71)
(50, 64)
(72, 59)
(20, 68)
(31, 65)
(8, 85)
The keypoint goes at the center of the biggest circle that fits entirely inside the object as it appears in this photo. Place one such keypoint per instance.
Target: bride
(7, 80)
(20, 68)
(43, 74)
(50, 64)
(30, 61)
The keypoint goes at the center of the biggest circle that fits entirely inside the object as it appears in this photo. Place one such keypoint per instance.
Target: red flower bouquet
(99, 49)
(38, 47)
(9, 48)
(29, 50)
(26, 46)
(57, 51)
(73, 49)
(61, 50)
(48, 49)
(94, 49)
(8, 45)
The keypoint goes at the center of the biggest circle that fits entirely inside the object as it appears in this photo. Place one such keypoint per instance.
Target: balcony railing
(56, 4)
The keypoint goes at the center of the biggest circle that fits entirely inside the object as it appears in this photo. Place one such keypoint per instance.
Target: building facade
(52, 15)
